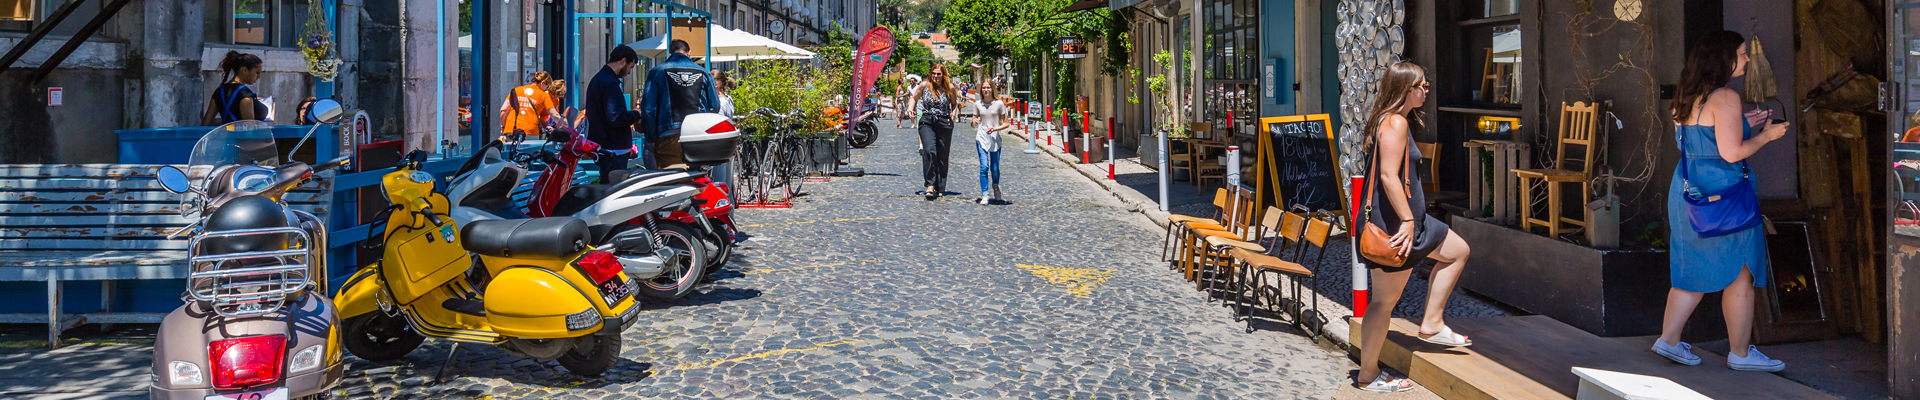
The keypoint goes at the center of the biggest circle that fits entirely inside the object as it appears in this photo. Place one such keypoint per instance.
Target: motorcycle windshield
(237, 143)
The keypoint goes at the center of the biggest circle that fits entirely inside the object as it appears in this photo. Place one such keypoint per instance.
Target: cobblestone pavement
(865, 290)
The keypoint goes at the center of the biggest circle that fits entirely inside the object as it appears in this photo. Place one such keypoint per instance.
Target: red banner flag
(868, 62)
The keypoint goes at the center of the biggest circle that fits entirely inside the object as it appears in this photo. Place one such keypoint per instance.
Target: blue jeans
(989, 168)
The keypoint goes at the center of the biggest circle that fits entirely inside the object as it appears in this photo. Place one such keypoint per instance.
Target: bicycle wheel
(745, 175)
(798, 161)
(772, 173)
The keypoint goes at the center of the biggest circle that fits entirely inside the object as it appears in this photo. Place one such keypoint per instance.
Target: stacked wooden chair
(1299, 232)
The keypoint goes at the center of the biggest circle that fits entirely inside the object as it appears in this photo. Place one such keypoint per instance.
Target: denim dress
(1705, 265)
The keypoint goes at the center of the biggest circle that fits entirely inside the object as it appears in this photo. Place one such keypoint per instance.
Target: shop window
(24, 15)
(1230, 59)
(254, 22)
(1495, 8)
(1496, 77)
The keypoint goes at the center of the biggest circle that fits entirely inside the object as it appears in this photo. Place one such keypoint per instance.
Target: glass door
(1903, 103)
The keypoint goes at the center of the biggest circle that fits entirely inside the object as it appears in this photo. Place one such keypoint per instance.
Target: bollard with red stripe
(1110, 129)
(1086, 126)
(1359, 270)
(1048, 115)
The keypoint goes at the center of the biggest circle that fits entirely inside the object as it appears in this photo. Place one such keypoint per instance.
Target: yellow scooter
(534, 287)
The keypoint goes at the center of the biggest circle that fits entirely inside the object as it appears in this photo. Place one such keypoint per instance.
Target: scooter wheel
(682, 272)
(376, 336)
(724, 252)
(592, 356)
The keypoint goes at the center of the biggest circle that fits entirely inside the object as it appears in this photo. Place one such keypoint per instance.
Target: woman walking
(936, 105)
(1399, 209)
(235, 99)
(989, 120)
(528, 107)
(1713, 159)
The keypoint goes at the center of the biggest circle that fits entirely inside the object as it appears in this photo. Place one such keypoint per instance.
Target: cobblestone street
(865, 290)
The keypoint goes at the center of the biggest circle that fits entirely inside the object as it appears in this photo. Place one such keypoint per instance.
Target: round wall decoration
(1627, 10)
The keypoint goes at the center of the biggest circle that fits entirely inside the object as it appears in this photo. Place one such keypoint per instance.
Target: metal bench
(97, 222)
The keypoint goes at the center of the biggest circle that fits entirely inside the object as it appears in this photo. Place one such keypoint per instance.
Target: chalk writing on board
(1307, 165)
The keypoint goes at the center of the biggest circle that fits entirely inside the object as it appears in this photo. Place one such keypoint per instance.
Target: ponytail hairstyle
(541, 78)
(723, 81)
(236, 61)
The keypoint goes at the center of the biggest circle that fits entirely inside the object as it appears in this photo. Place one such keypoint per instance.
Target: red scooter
(572, 147)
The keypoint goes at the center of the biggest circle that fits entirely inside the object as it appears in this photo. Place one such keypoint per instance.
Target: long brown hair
(1395, 83)
(944, 84)
(1709, 67)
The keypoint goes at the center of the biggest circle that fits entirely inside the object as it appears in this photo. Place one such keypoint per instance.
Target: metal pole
(1233, 167)
(1161, 136)
(477, 78)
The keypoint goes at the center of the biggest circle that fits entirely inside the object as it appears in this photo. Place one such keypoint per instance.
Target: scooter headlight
(307, 359)
(583, 319)
(185, 373)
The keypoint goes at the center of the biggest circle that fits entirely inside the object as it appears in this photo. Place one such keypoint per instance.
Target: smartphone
(1779, 121)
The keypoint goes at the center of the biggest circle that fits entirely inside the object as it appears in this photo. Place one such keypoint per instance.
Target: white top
(726, 105)
(991, 115)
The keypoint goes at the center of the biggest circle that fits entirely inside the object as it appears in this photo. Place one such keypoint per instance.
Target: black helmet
(247, 212)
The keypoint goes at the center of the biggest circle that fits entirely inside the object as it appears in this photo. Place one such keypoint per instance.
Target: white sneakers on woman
(1754, 361)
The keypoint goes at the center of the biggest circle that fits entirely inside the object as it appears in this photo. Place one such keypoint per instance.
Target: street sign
(56, 96)
(1033, 110)
(1072, 47)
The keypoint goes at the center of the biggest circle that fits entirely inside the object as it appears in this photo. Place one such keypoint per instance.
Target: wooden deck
(1533, 358)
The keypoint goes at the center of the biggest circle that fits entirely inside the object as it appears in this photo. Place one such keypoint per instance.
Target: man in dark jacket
(610, 117)
(675, 89)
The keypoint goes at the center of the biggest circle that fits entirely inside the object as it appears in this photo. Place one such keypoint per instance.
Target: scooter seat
(581, 196)
(533, 239)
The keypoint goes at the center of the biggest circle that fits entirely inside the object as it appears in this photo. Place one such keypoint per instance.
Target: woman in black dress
(1398, 208)
(234, 100)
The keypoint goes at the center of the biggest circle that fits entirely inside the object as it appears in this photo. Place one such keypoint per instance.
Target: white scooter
(628, 217)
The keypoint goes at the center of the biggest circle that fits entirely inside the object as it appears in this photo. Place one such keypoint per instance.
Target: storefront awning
(1084, 5)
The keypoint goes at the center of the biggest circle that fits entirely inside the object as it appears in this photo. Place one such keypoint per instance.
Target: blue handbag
(1720, 213)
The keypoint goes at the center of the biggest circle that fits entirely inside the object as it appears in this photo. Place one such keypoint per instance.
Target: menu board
(1298, 164)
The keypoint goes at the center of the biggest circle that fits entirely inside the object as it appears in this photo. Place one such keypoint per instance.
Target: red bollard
(1359, 270)
(1110, 129)
(1049, 116)
(1086, 126)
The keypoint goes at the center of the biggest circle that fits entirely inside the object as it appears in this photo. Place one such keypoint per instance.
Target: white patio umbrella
(723, 42)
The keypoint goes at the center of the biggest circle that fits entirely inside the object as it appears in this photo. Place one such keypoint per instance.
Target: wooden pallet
(1533, 357)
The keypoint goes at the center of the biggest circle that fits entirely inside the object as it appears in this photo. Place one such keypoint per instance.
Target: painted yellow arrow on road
(1077, 281)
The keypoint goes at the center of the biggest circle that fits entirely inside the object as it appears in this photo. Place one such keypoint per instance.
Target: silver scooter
(257, 323)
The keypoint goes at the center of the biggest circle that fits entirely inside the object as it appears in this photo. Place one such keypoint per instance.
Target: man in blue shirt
(610, 118)
(675, 89)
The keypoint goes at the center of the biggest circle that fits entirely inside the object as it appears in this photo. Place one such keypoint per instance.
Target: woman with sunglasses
(1400, 210)
(936, 104)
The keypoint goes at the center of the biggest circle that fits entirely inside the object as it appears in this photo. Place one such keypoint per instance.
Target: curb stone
(1337, 328)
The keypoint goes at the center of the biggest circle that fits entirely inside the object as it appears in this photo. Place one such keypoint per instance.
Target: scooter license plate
(616, 290)
(267, 394)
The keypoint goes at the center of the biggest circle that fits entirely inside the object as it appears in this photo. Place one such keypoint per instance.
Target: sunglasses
(1424, 85)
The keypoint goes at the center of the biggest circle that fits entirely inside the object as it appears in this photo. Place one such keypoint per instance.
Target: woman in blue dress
(1716, 151)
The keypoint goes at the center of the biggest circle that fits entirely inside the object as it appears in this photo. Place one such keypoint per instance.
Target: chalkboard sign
(1298, 164)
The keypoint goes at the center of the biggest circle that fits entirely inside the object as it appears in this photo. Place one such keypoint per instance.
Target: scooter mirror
(326, 112)
(173, 179)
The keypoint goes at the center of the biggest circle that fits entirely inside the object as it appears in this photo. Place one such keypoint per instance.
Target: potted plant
(1096, 146)
(1164, 103)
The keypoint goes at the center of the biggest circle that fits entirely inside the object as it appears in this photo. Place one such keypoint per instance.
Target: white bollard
(1233, 167)
(1162, 160)
(1033, 139)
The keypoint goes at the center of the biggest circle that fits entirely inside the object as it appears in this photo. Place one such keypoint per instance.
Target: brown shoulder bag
(1375, 244)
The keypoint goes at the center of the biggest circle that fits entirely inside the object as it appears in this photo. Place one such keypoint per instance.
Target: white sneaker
(984, 200)
(1754, 361)
(1681, 353)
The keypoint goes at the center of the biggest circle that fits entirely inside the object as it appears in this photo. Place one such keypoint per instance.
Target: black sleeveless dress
(1430, 232)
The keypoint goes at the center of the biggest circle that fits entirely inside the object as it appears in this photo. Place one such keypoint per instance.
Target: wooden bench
(98, 222)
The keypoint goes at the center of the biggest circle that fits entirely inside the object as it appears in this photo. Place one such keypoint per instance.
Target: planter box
(1149, 151)
(1605, 292)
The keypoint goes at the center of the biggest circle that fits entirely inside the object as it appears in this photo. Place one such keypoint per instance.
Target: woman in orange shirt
(528, 106)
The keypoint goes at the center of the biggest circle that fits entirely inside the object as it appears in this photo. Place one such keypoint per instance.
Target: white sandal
(1446, 337)
(1387, 383)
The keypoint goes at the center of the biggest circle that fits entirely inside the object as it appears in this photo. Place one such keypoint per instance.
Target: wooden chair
(1578, 121)
(1177, 226)
(1210, 245)
(1430, 184)
(1192, 157)
(1304, 310)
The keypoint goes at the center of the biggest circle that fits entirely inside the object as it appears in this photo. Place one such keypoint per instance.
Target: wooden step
(1533, 357)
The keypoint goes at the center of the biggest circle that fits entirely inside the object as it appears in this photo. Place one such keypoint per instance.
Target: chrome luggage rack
(233, 297)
